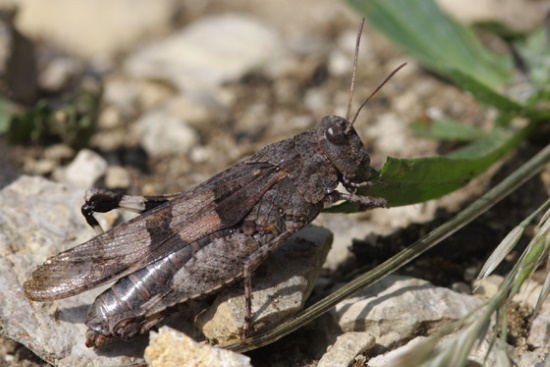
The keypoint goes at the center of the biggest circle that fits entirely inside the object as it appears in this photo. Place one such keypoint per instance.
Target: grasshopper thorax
(343, 147)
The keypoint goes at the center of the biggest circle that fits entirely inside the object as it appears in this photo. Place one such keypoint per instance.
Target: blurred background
(154, 97)
(160, 88)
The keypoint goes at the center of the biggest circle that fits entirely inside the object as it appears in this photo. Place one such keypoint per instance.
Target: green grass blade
(434, 39)
(447, 129)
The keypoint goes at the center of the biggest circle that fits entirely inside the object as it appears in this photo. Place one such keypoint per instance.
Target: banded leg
(103, 201)
(365, 202)
(352, 186)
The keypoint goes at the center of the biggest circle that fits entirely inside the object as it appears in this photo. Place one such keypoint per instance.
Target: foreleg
(365, 202)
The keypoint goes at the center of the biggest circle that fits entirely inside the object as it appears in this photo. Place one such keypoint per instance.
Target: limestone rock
(171, 348)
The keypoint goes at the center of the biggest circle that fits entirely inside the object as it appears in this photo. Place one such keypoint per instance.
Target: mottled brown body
(188, 245)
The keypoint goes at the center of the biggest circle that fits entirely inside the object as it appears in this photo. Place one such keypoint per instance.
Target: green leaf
(410, 181)
(535, 52)
(483, 93)
(434, 39)
(447, 129)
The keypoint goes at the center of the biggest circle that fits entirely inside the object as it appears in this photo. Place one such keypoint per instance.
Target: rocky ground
(190, 88)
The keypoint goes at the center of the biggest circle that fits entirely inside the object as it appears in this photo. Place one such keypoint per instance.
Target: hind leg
(103, 201)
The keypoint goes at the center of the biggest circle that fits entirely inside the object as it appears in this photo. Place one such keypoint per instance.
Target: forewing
(221, 202)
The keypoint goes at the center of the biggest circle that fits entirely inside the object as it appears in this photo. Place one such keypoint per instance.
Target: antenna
(355, 57)
(377, 89)
(352, 86)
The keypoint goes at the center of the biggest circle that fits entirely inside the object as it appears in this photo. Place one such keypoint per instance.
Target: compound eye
(336, 134)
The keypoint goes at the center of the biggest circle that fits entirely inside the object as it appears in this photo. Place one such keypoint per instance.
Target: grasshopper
(188, 245)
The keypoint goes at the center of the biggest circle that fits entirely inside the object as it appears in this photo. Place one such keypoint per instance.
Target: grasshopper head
(343, 147)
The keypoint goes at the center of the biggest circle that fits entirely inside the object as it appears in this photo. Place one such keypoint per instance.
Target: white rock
(109, 118)
(339, 63)
(58, 152)
(394, 357)
(316, 99)
(287, 280)
(503, 11)
(84, 170)
(162, 133)
(117, 177)
(528, 293)
(340, 60)
(122, 94)
(171, 348)
(394, 309)
(477, 357)
(209, 52)
(539, 332)
(94, 29)
(387, 221)
(389, 133)
(59, 72)
(195, 110)
(528, 358)
(38, 219)
(488, 287)
(346, 347)
(345, 229)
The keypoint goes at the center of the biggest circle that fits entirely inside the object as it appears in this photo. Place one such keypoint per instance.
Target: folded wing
(221, 202)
